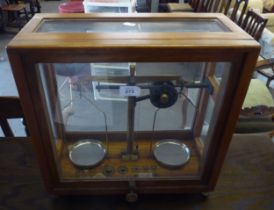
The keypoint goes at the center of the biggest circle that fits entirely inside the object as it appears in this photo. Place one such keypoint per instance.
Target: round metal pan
(87, 153)
(171, 153)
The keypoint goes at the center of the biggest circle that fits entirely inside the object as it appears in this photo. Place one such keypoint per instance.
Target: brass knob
(164, 98)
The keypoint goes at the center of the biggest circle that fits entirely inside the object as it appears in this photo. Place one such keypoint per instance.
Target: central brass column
(131, 152)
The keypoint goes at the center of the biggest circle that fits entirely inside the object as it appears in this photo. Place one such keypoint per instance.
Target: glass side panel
(89, 26)
(120, 121)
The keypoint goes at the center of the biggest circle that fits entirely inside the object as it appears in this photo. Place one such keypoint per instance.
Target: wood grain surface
(246, 182)
(145, 163)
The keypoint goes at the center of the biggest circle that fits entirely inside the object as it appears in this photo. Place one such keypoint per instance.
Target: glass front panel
(132, 120)
(77, 26)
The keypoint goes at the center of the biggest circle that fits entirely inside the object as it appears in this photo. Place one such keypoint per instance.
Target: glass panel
(221, 68)
(93, 9)
(77, 26)
(131, 120)
(217, 74)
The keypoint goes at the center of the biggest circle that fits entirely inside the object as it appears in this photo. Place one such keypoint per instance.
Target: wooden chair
(16, 13)
(235, 12)
(258, 108)
(34, 7)
(209, 5)
(254, 24)
(10, 108)
(266, 69)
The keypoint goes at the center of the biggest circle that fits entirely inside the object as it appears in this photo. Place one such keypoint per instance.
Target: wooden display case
(169, 90)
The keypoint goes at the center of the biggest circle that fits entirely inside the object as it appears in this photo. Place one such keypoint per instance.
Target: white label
(130, 91)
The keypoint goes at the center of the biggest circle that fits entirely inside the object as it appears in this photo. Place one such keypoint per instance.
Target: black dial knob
(163, 94)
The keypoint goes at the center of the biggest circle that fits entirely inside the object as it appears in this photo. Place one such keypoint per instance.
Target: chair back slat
(5, 126)
(206, 5)
(195, 4)
(238, 17)
(235, 12)
(226, 4)
(216, 6)
(209, 5)
(254, 24)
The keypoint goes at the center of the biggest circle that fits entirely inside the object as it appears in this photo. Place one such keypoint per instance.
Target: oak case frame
(30, 48)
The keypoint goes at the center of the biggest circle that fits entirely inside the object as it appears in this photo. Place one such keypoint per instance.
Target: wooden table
(246, 182)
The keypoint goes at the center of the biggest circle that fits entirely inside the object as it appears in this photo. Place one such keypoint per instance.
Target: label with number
(129, 91)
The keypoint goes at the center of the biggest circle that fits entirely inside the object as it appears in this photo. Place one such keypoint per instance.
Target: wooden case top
(221, 33)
